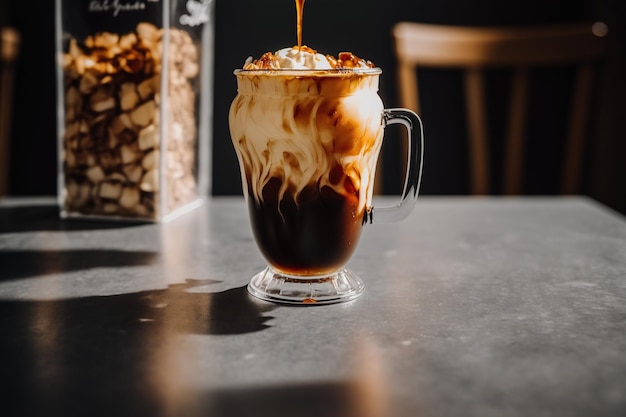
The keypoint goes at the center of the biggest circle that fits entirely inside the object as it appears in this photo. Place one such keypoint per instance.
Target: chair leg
(577, 129)
(476, 119)
(514, 148)
(9, 46)
(6, 93)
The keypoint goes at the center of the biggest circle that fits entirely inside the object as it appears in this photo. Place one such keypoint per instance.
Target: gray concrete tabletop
(474, 306)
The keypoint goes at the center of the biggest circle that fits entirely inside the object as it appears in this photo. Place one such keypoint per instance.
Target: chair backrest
(9, 47)
(476, 49)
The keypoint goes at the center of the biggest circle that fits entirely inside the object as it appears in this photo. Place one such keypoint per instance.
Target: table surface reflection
(473, 307)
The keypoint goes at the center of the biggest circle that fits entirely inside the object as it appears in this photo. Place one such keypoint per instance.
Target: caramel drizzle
(299, 11)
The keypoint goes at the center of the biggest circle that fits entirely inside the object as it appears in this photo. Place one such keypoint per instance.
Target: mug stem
(275, 286)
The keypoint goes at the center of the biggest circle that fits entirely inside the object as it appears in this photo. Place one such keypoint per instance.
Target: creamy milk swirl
(319, 128)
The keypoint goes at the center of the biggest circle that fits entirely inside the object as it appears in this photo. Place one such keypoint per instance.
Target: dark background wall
(251, 27)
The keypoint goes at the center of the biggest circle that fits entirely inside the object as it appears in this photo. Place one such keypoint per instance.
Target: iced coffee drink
(307, 138)
(307, 129)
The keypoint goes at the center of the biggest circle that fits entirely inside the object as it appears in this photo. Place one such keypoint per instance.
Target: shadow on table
(37, 218)
(110, 351)
(17, 264)
(327, 399)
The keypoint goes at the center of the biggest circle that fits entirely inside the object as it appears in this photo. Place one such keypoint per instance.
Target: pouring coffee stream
(299, 12)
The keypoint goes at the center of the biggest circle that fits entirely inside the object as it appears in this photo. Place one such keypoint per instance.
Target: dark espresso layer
(314, 235)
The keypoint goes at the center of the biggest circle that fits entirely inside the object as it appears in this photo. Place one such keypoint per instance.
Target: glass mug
(307, 142)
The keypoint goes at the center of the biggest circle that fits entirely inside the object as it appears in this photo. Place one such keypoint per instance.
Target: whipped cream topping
(305, 58)
(294, 58)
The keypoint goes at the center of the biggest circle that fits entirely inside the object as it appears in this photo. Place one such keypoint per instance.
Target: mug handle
(415, 130)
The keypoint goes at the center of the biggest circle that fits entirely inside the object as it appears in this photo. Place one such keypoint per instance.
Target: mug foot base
(271, 285)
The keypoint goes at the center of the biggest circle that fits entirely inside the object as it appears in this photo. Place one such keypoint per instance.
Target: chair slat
(515, 150)
(477, 125)
(579, 115)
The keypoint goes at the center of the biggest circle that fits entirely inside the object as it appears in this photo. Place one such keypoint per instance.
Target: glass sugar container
(134, 97)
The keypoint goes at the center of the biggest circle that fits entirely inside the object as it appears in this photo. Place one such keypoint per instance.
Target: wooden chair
(9, 47)
(476, 49)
